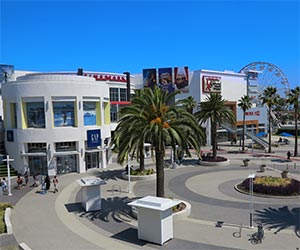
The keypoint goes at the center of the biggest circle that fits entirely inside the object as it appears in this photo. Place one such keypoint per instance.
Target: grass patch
(3, 206)
(141, 173)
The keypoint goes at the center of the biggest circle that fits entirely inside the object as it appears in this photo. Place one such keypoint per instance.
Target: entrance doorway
(92, 160)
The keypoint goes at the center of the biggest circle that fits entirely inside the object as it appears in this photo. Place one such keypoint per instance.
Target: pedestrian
(4, 184)
(19, 182)
(55, 184)
(288, 155)
(26, 177)
(35, 180)
(47, 182)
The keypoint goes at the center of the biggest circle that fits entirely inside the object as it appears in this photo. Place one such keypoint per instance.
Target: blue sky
(118, 36)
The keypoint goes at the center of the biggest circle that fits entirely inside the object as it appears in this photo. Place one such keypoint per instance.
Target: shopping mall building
(62, 122)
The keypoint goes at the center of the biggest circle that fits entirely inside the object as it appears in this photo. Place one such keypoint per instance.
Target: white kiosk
(91, 193)
(155, 218)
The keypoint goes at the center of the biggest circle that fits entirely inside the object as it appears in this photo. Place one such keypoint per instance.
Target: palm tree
(150, 118)
(188, 103)
(269, 97)
(244, 104)
(213, 109)
(293, 99)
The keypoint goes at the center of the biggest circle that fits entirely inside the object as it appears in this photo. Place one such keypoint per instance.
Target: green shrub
(148, 171)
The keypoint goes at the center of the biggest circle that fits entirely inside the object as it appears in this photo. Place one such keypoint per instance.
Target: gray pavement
(57, 221)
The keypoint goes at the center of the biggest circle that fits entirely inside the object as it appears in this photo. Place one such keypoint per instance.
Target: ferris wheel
(261, 75)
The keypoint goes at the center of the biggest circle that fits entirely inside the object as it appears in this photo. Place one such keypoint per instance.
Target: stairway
(3, 171)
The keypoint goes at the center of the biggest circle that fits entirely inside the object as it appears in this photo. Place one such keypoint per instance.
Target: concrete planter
(262, 168)
(139, 177)
(209, 163)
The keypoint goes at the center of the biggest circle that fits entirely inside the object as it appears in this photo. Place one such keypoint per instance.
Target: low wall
(7, 222)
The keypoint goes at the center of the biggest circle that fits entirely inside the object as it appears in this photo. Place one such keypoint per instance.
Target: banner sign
(211, 84)
(165, 79)
(6, 73)
(94, 138)
(181, 75)
(149, 78)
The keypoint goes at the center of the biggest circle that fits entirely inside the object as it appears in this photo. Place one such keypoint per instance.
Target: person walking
(47, 182)
(288, 155)
(55, 184)
(19, 182)
(4, 184)
(26, 177)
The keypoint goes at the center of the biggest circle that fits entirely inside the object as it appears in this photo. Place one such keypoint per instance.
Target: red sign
(106, 77)
(211, 84)
(257, 113)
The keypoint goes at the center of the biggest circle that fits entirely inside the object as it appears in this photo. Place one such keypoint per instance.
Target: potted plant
(262, 168)
(246, 162)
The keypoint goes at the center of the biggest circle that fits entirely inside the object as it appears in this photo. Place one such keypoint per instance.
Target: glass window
(113, 112)
(114, 94)
(65, 146)
(63, 113)
(13, 115)
(36, 147)
(89, 113)
(123, 95)
(66, 164)
(35, 114)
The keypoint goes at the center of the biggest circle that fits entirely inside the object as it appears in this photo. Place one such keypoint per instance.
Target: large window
(63, 113)
(13, 112)
(123, 95)
(114, 94)
(65, 146)
(89, 113)
(118, 94)
(37, 147)
(113, 112)
(35, 114)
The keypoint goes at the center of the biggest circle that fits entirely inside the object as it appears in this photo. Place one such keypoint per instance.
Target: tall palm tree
(188, 103)
(269, 97)
(294, 99)
(150, 118)
(213, 109)
(244, 104)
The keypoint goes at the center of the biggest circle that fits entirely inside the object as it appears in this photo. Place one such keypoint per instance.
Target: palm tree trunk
(244, 118)
(296, 133)
(269, 130)
(160, 177)
(142, 158)
(214, 139)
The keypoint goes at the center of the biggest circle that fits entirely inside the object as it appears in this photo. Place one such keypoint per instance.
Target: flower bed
(275, 186)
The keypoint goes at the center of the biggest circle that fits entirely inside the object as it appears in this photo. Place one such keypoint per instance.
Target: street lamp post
(8, 173)
(251, 177)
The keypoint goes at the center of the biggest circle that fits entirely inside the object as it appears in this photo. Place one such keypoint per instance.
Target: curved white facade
(50, 120)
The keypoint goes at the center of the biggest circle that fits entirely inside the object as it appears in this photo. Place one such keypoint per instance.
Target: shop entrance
(92, 160)
(66, 164)
(38, 165)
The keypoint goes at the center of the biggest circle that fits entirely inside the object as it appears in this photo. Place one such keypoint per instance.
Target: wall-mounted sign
(253, 113)
(107, 77)
(149, 78)
(94, 138)
(10, 135)
(211, 84)
(181, 79)
(165, 79)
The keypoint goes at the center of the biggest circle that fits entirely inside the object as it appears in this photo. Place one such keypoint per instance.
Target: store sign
(211, 84)
(107, 77)
(253, 113)
(94, 138)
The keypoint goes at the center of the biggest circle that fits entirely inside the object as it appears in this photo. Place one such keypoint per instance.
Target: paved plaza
(57, 220)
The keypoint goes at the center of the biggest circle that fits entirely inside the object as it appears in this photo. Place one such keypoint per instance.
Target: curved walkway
(56, 221)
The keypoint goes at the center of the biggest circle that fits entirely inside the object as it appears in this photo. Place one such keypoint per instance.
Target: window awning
(34, 154)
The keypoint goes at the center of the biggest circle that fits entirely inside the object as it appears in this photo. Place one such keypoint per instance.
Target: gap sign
(94, 138)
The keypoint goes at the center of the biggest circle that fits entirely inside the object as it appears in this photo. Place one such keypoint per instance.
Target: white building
(56, 122)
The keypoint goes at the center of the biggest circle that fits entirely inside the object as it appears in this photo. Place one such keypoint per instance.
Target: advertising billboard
(211, 84)
(181, 79)
(149, 78)
(165, 79)
(6, 73)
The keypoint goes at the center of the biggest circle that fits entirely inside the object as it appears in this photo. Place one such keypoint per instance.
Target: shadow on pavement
(110, 174)
(280, 218)
(129, 235)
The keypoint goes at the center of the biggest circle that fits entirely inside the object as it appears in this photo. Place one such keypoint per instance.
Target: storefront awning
(93, 150)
